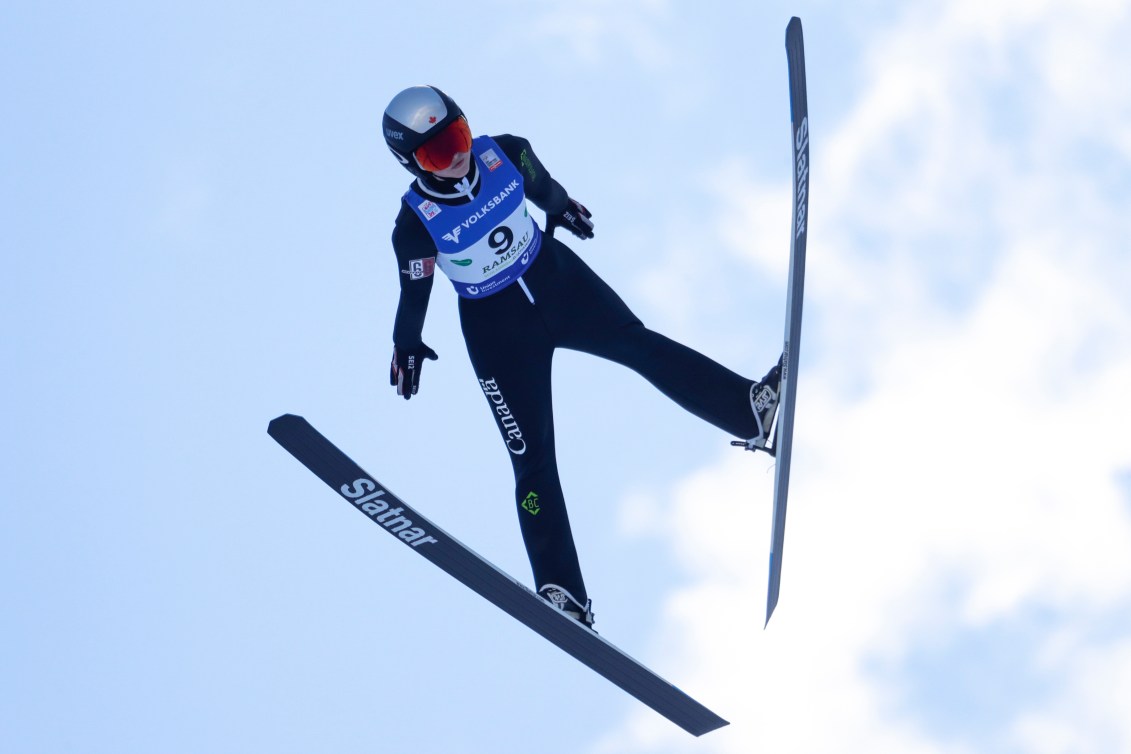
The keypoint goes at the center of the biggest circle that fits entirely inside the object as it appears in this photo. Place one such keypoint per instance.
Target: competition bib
(485, 245)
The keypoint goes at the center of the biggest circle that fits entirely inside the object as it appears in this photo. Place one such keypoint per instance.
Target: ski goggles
(438, 152)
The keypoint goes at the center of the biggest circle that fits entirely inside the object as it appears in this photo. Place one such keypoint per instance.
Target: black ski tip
(793, 31)
(280, 422)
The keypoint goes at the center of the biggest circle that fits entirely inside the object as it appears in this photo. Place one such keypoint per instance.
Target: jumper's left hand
(575, 218)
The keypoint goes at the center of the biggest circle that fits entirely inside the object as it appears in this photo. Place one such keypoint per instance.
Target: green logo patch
(530, 504)
(528, 165)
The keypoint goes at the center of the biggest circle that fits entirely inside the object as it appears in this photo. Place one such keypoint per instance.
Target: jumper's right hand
(404, 372)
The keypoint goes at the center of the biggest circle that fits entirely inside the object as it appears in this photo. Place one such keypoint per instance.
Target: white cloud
(595, 32)
(1090, 713)
(963, 415)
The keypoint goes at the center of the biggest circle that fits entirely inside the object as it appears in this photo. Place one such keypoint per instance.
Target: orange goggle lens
(438, 152)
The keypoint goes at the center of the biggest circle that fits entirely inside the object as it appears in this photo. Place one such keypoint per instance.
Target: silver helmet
(412, 118)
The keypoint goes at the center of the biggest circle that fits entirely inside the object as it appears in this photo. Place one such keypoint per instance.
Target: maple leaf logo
(432, 119)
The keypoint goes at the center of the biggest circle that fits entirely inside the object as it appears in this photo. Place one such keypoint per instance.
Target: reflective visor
(438, 152)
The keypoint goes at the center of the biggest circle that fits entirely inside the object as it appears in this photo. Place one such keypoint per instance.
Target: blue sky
(195, 206)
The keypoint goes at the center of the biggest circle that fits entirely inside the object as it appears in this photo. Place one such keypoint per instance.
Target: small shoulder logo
(429, 209)
(490, 159)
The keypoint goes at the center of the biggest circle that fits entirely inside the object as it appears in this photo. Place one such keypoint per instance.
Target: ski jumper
(524, 294)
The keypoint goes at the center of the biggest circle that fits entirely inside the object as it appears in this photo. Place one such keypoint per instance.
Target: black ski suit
(511, 336)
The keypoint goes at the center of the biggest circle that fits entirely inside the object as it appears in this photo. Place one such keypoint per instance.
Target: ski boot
(764, 397)
(564, 601)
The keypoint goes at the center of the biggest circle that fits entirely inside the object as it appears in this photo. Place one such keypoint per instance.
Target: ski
(795, 291)
(423, 537)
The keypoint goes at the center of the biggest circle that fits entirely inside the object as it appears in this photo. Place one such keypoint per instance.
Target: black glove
(404, 372)
(574, 218)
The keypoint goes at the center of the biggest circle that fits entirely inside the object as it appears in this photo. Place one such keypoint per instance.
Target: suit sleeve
(416, 264)
(540, 187)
